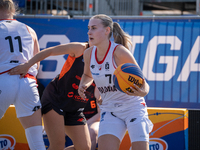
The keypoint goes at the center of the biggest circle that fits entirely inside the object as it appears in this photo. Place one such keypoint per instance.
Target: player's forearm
(86, 80)
(38, 57)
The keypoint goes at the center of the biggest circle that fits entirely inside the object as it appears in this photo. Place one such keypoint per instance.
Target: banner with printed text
(166, 50)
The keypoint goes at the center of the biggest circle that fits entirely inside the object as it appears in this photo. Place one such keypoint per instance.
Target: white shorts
(117, 123)
(23, 93)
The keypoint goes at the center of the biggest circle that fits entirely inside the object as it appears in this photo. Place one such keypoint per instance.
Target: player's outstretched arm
(74, 49)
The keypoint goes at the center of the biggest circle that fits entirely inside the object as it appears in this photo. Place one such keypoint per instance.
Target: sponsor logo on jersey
(92, 66)
(14, 61)
(95, 73)
(102, 116)
(7, 142)
(77, 77)
(76, 97)
(113, 114)
(75, 86)
(80, 120)
(106, 89)
(107, 66)
(133, 119)
(80, 109)
(88, 112)
(8, 21)
(157, 144)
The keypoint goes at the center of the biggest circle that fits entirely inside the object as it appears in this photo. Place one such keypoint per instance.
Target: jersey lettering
(77, 97)
(106, 89)
(93, 104)
(110, 77)
(9, 38)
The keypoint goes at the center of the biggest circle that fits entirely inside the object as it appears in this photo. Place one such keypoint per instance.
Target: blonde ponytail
(120, 36)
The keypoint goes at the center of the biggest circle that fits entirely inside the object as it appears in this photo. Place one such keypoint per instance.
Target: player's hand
(99, 101)
(81, 91)
(21, 70)
(136, 91)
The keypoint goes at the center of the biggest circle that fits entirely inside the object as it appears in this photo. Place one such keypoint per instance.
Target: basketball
(126, 75)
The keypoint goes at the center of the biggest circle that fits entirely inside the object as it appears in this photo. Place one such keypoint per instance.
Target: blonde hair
(119, 35)
(9, 6)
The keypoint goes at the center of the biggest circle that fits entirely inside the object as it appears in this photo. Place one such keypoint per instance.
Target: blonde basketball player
(18, 44)
(119, 111)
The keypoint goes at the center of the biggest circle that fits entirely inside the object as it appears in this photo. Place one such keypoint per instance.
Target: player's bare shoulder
(87, 53)
(123, 55)
(78, 48)
(120, 49)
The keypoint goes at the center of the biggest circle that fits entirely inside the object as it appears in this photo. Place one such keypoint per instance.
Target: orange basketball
(126, 75)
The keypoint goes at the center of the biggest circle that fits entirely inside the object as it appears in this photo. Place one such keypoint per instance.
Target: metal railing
(91, 7)
(54, 7)
(80, 7)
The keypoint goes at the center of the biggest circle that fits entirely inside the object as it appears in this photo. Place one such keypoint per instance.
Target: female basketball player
(62, 107)
(119, 111)
(18, 43)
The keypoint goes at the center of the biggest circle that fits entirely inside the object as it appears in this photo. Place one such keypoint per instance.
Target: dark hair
(119, 35)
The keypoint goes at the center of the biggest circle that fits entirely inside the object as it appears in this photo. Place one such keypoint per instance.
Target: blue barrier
(167, 51)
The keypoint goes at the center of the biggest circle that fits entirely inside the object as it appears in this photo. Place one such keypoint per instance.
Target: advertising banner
(170, 131)
(12, 134)
(166, 50)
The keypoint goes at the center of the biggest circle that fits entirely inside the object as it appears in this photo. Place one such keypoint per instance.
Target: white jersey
(102, 73)
(16, 45)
